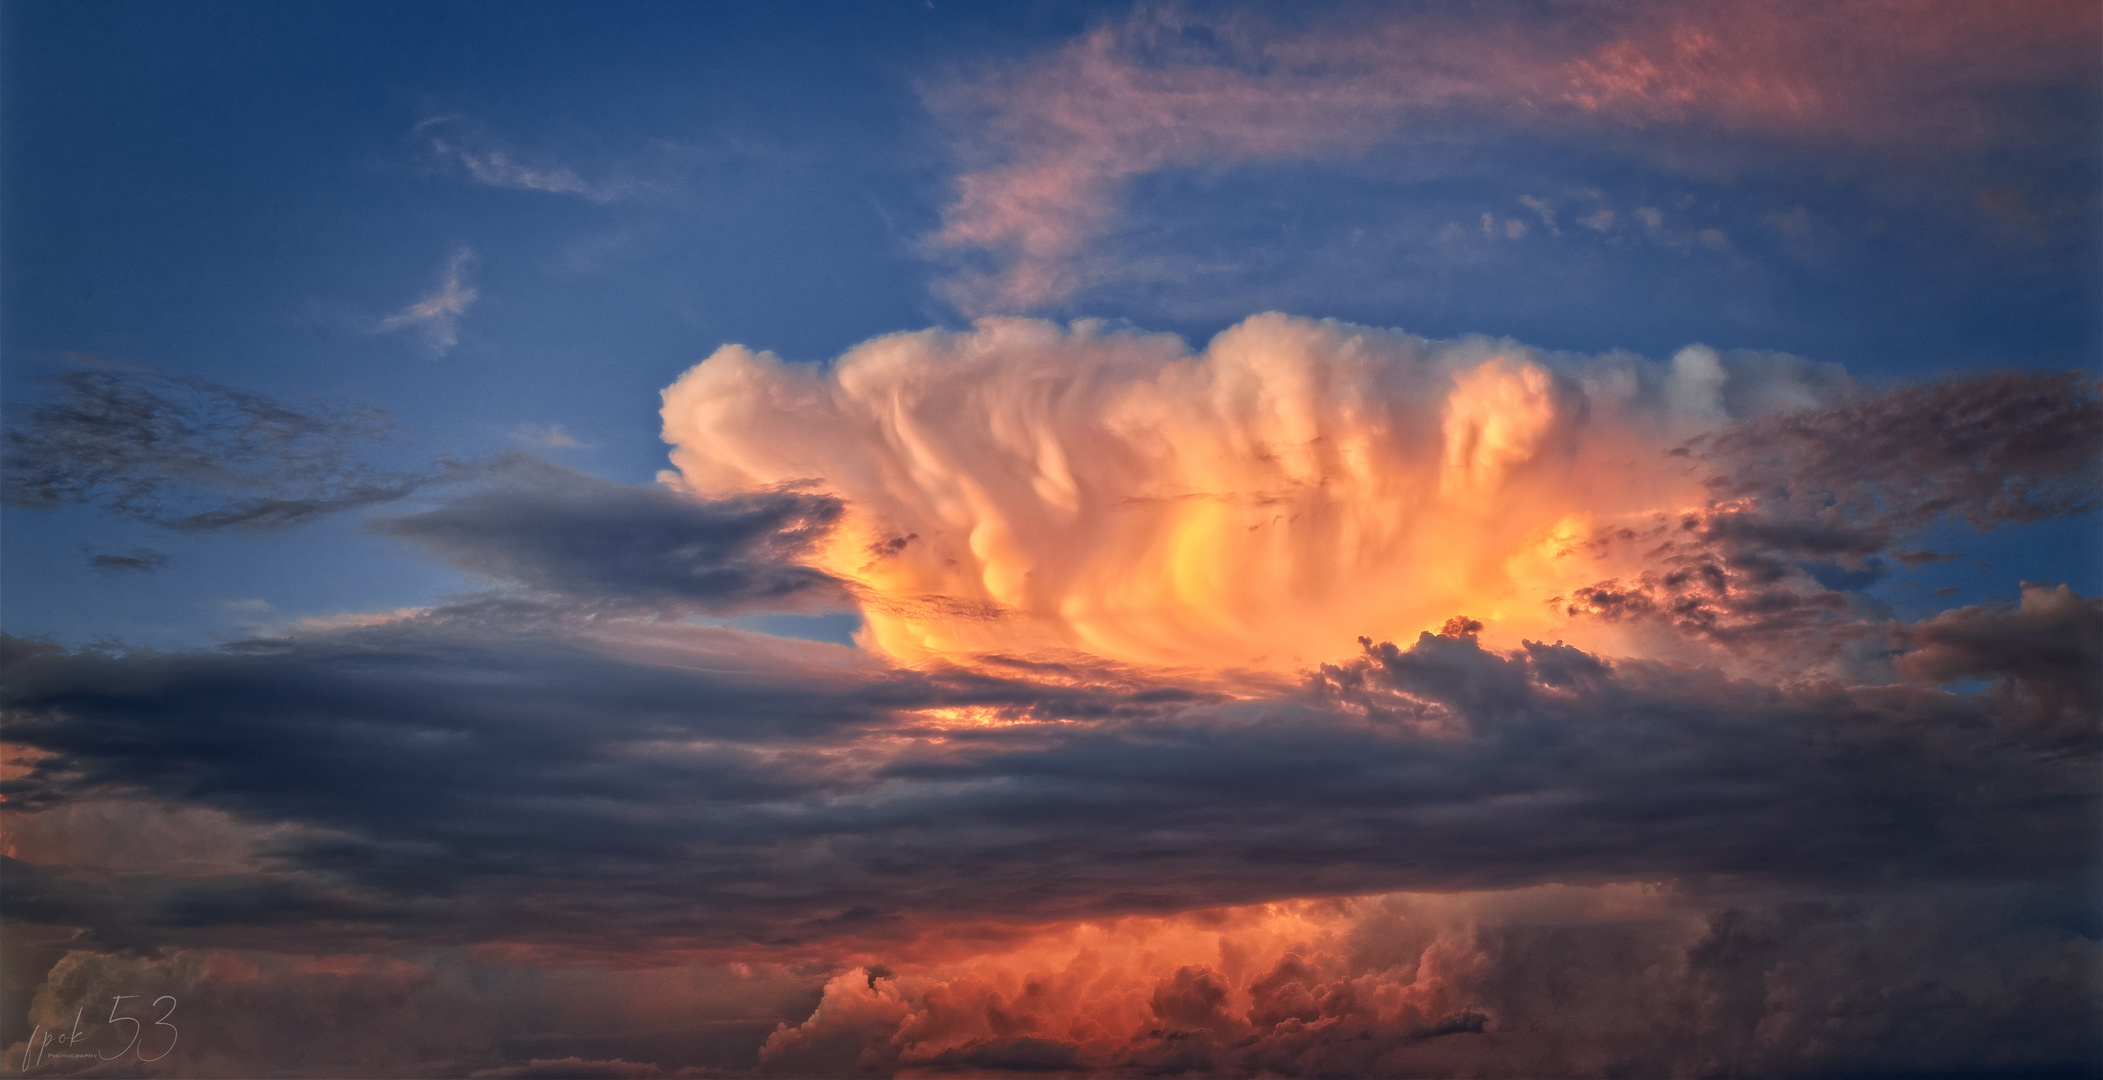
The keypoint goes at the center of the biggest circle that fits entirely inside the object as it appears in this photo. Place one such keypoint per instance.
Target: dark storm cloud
(2046, 654)
(558, 531)
(1809, 504)
(470, 775)
(434, 757)
(191, 455)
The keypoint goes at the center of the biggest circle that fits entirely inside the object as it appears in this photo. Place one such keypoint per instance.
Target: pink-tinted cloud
(1047, 145)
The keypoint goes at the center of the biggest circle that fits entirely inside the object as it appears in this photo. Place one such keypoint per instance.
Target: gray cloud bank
(473, 775)
(553, 530)
(728, 790)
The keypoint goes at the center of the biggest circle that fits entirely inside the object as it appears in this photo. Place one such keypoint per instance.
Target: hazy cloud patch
(192, 455)
(548, 437)
(138, 560)
(460, 145)
(436, 317)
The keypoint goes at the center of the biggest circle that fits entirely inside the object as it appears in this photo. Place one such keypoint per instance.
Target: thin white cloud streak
(487, 161)
(437, 317)
(1047, 145)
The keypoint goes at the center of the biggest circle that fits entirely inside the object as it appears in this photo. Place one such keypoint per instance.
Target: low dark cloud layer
(502, 772)
(551, 530)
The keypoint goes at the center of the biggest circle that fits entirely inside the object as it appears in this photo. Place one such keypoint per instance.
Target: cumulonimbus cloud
(1024, 487)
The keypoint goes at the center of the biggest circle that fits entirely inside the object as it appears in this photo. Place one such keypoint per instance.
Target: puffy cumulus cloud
(1048, 143)
(1026, 488)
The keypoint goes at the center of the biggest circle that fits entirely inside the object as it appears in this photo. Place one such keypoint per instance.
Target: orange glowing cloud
(1027, 489)
(1269, 980)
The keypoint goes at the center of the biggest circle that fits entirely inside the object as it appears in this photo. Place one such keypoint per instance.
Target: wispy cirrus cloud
(459, 144)
(1048, 144)
(191, 455)
(436, 317)
(548, 437)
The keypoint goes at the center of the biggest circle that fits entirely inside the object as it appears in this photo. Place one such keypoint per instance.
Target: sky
(922, 538)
